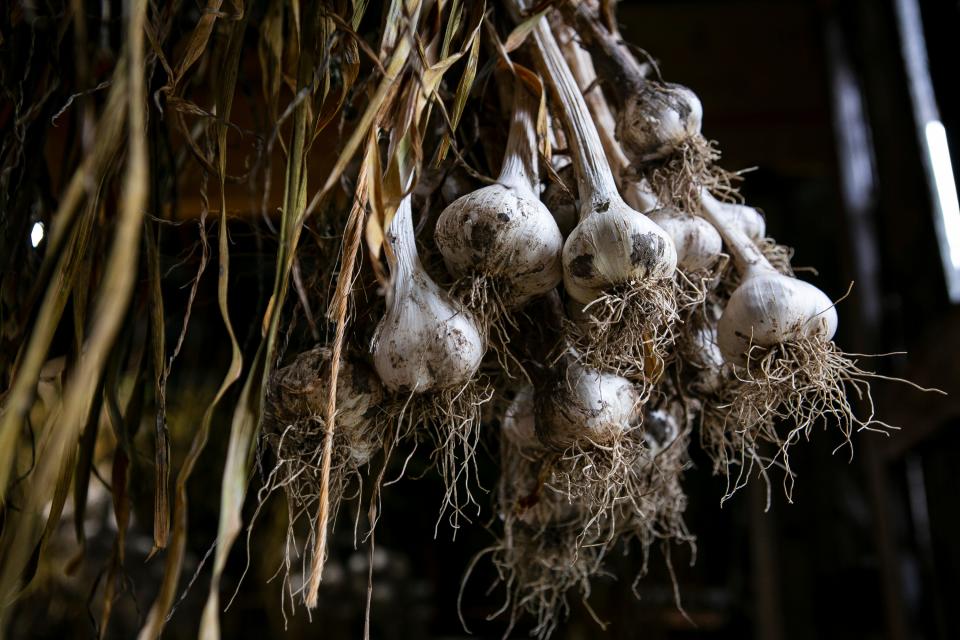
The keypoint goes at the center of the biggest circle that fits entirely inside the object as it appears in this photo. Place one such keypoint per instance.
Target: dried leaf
(522, 30)
(463, 91)
(156, 619)
(111, 302)
(161, 502)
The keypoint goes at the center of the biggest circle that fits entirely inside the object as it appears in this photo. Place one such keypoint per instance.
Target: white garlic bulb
(503, 231)
(658, 119)
(586, 406)
(612, 244)
(426, 340)
(768, 308)
(697, 242)
(748, 219)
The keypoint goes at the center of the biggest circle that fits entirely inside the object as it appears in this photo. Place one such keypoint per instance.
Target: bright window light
(946, 188)
(36, 234)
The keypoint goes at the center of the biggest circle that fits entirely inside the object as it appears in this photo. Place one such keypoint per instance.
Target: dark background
(869, 547)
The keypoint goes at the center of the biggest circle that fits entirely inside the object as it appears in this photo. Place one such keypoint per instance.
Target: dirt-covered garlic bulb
(297, 397)
(612, 244)
(657, 120)
(768, 308)
(585, 406)
(502, 235)
(658, 123)
(426, 339)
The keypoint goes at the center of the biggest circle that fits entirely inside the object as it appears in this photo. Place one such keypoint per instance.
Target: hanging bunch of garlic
(698, 244)
(427, 350)
(640, 303)
(500, 241)
(658, 123)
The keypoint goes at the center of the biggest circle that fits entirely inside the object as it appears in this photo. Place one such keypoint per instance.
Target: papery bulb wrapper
(504, 233)
(658, 119)
(586, 406)
(697, 242)
(614, 245)
(770, 309)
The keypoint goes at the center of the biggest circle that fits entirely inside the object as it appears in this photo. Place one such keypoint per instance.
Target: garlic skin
(586, 406)
(505, 233)
(768, 309)
(697, 242)
(748, 219)
(657, 119)
(519, 421)
(612, 245)
(426, 340)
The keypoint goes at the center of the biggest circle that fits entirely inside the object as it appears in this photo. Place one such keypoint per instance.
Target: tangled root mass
(628, 330)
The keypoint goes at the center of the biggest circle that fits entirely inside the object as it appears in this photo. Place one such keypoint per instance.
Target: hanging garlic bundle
(427, 349)
(295, 431)
(617, 264)
(658, 123)
(776, 332)
(592, 422)
(541, 555)
(700, 260)
(501, 241)
(697, 243)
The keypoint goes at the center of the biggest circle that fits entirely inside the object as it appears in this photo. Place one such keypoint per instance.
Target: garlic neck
(520, 164)
(748, 259)
(594, 177)
(406, 260)
(618, 65)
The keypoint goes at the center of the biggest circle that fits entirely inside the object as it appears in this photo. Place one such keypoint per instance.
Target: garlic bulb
(612, 244)
(298, 396)
(749, 219)
(768, 308)
(586, 406)
(657, 120)
(697, 242)
(426, 340)
(503, 232)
